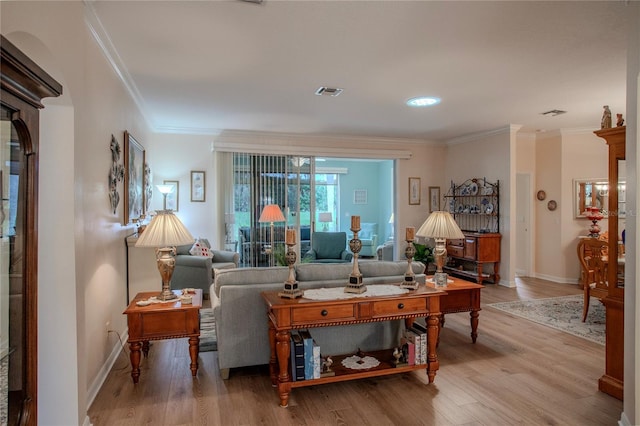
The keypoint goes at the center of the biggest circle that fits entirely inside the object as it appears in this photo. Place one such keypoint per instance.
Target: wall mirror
(594, 192)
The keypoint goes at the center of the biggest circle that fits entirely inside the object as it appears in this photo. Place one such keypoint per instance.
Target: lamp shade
(165, 230)
(325, 217)
(440, 225)
(165, 189)
(271, 213)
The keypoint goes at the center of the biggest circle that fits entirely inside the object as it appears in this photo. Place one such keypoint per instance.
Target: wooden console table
(462, 296)
(285, 315)
(170, 320)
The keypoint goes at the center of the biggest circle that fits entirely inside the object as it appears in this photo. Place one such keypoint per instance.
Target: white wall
(173, 157)
(81, 294)
(489, 156)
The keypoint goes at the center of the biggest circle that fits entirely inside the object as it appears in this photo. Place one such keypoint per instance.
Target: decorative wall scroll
(414, 191)
(434, 199)
(197, 186)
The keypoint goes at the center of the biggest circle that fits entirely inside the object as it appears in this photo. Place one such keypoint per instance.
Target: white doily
(356, 363)
(339, 293)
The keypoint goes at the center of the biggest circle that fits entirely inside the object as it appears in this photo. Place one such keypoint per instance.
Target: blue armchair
(328, 247)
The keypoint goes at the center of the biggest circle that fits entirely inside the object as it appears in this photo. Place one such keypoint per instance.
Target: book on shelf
(317, 362)
(410, 350)
(307, 343)
(297, 357)
(413, 338)
(421, 331)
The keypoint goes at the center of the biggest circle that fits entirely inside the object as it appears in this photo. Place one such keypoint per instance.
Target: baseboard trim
(104, 370)
(559, 280)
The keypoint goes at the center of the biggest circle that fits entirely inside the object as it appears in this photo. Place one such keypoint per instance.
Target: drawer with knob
(399, 307)
(331, 313)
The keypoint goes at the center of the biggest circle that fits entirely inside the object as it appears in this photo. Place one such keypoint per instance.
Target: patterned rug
(562, 313)
(208, 340)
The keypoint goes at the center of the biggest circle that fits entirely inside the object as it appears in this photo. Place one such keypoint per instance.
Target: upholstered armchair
(328, 247)
(368, 235)
(198, 271)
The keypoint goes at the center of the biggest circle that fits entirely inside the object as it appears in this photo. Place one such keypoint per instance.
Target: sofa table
(462, 296)
(285, 315)
(166, 320)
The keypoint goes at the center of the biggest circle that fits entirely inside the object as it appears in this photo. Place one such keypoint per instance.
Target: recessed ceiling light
(423, 101)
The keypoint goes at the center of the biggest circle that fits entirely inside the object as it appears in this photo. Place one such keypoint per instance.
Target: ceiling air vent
(328, 91)
(553, 112)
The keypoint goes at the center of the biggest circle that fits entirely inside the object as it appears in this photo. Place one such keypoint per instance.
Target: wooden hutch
(612, 381)
(475, 206)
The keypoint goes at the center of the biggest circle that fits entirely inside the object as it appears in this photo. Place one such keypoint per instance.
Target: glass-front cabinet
(24, 84)
(612, 380)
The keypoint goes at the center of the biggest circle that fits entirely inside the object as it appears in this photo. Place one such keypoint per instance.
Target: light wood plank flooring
(518, 372)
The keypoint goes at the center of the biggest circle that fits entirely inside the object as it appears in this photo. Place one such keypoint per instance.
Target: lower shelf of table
(342, 373)
(469, 274)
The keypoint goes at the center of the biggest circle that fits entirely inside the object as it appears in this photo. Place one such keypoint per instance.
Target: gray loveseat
(241, 315)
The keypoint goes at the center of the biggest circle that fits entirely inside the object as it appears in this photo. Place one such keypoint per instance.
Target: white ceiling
(208, 66)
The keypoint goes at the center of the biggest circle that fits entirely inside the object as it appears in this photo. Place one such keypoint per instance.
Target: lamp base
(355, 285)
(291, 290)
(440, 279)
(167, 294)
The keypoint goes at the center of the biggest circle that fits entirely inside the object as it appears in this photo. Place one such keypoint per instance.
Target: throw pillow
(200, 249)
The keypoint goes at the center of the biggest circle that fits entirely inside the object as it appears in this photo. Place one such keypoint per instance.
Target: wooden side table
(157, 321)
(462, 296)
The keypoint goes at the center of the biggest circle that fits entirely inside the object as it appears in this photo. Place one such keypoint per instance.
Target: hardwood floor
(518, 372)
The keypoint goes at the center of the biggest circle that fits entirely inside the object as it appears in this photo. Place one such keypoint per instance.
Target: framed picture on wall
(414, 191)
(171, 201)
(133, 178)
(434, 198)
(197, 186)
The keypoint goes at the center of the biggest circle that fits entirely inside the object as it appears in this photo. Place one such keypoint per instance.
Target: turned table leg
(194, 349)
(433, 327)
(273, 368)
(134, 356)
(474, 324)
(283, 349)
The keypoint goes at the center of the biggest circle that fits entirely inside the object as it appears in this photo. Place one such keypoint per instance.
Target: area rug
(208, 340)
(562, 313)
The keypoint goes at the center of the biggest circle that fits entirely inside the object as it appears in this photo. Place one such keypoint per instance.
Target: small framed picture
(414, 191)
(434, 199)
(171, 201)
(197, 186)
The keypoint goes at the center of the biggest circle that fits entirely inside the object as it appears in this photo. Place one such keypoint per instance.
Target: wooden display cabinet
(612, 381)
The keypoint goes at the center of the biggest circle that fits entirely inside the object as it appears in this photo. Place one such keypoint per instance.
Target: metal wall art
(116, 174)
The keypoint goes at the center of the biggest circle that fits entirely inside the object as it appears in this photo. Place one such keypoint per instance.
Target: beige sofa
(241, 315)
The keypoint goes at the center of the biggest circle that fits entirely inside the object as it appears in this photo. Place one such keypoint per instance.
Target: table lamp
(325, 218)
(165, 232)
(270, 214)
(440, 226)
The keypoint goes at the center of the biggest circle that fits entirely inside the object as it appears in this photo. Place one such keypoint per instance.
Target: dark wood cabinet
(23, 85)
(468, 256)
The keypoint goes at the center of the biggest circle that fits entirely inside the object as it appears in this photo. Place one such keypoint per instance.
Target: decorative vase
(594, 215)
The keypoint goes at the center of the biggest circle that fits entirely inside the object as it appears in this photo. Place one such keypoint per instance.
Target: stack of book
(414, 344)
(305, 356)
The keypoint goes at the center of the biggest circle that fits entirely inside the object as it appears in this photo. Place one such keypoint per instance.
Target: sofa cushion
(318, 271)
(249, 276)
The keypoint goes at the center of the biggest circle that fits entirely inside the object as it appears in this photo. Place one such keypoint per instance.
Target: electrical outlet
(107, 326)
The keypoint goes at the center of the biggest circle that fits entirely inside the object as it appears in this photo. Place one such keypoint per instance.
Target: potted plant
(424, 254)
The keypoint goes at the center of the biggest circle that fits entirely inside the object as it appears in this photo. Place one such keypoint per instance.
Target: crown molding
(101, 37)
(482, 135)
